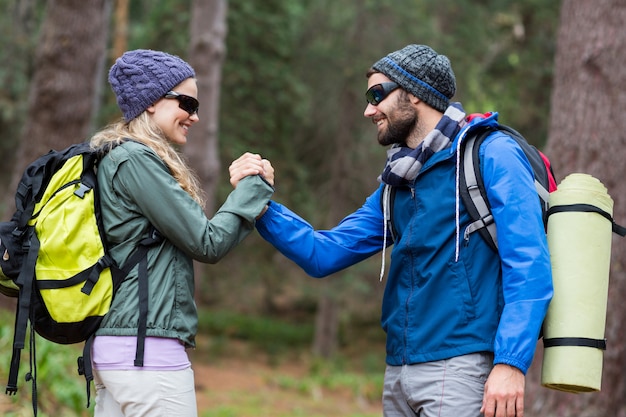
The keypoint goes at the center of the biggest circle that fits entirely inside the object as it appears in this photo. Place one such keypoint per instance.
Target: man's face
(394, 115)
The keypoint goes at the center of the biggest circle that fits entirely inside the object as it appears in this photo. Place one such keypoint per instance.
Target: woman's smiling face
(170, 118)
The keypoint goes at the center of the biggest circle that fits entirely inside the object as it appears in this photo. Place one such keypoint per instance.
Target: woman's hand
(250, 164)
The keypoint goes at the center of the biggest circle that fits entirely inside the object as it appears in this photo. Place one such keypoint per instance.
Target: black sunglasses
(377, 93)
(187, 103)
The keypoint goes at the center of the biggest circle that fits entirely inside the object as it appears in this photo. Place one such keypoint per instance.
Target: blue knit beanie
(422, 72)
(141, 77)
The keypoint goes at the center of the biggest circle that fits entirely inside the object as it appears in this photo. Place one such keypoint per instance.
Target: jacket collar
(474, 121)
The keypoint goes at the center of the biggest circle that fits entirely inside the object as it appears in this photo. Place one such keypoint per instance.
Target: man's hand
(250, 164)
(504, 392)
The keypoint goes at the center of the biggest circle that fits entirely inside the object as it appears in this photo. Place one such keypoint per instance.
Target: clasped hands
(250, 164)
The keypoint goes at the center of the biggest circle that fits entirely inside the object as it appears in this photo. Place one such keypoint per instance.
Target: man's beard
(400, 126)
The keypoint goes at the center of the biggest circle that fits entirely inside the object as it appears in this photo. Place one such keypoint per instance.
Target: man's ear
(414, 100)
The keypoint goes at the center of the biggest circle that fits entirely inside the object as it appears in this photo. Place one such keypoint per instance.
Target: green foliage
(60, 390)
(328, 377)
(19, 23)
(269, 335)
(502, 53)
(292, 90)
(262, 96)
(160, 24)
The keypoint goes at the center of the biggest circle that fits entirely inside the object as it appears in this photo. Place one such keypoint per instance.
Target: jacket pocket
(462, 291)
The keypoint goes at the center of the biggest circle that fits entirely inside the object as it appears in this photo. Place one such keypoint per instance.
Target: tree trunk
(120, 31)
(342, 172)
(326, 338)
(588, 134)
(62, 93)
(207, 52)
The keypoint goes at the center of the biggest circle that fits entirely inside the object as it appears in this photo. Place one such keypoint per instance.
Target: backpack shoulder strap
(472, 186)
(26, 286)
(472, 189)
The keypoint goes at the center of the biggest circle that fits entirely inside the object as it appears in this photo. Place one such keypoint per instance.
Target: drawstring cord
(457, 211)
(386, 219)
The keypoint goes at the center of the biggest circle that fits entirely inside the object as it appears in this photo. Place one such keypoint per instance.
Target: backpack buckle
(82, 190)
(81, 365)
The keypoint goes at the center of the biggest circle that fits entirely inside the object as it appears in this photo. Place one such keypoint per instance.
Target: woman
(146, 186)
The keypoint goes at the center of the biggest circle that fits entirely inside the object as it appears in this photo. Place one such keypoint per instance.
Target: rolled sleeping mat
(579, 238)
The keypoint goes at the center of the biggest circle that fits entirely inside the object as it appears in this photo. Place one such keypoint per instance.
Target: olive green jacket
(137, 192)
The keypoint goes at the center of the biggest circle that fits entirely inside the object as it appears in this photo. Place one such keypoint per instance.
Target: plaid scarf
(404, 163)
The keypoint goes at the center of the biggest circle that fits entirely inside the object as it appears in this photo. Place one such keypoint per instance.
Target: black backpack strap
(25, 283)
(84, 366)
(22, 316)
(140, 258)
(23, 198)
(94, 273)
(32, 374)
(11, 388)
(575, 341)
(143, 310)
(588, 208)
(618, 229)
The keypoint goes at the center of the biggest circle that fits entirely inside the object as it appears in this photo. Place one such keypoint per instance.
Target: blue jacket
(446, 295)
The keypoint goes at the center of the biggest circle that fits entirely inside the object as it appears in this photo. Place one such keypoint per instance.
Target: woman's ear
(151, 109)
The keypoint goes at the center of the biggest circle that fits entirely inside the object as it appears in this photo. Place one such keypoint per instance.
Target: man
(462, 321)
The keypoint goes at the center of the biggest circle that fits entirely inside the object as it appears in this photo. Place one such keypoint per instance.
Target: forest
(286, 79)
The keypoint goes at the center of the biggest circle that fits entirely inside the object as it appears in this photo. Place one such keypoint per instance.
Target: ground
(251, 388)
(251, 385)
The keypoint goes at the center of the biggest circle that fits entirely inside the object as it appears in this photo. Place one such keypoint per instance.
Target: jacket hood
(474, 121)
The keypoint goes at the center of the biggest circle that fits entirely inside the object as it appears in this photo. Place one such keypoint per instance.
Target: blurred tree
(501, 52)
(19, 26)
(588, 134)
(120, 29)
(260, 107)
(63, 88)
(206, 56)
(340, 167)
(160, 24)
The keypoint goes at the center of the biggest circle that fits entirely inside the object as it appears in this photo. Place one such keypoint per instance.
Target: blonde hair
(142, 129)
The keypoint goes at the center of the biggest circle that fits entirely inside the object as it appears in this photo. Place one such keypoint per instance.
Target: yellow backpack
(54, 257)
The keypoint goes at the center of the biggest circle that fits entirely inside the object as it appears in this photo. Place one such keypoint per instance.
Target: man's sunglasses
(377, 93)
(187, 103)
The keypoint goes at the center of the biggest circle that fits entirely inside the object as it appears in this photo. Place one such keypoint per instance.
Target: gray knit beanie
(419, 70)
(141, 77)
